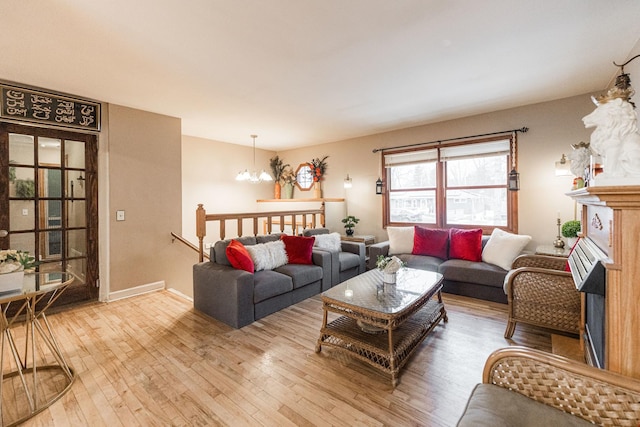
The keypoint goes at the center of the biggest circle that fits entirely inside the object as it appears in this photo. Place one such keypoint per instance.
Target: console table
(37, 380)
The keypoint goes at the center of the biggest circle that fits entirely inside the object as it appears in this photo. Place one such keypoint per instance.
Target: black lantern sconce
(379, 186)
(514, 180)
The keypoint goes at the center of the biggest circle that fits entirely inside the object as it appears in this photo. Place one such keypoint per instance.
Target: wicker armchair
(539, 292)
(595, 395)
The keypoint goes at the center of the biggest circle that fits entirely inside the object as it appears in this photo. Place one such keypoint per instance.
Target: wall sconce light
(563, 166)
(80, 180)
(514, 180)
(347, 182)
(379, 186)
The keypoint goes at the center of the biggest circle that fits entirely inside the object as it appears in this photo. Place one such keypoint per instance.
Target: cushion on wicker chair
(494, 406)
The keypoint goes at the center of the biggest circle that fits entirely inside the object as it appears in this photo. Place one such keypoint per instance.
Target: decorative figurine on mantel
(616, 138)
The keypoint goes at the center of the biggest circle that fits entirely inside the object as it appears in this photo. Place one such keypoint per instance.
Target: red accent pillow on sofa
(299, 248)
(431, 242)
(239, 257)
(465, 244)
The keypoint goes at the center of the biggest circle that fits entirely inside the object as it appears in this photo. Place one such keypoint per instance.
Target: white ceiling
(301, 72)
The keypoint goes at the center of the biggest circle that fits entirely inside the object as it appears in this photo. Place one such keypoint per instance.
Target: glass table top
(37, 283)
(369, 292)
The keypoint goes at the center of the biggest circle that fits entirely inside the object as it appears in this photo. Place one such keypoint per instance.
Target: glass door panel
(25, 218)
(75, 213)
(21, 149)
(47, 190)
(76, 243)
(49, 151)
(74, 154)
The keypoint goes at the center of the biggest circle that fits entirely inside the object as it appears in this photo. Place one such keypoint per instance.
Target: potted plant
(277, 168)
(350, 222)
(570, 230)
(288, 178)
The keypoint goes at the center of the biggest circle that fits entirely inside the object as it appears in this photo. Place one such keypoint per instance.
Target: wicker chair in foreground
(539, 292)
(522, 387)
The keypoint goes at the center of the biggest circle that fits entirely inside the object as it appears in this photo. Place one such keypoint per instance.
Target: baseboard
(138, 290)
(180, 294)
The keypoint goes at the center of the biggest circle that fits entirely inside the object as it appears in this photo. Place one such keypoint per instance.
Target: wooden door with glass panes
(48, 202)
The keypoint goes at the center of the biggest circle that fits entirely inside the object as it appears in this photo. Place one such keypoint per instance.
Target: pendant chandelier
(254, 177)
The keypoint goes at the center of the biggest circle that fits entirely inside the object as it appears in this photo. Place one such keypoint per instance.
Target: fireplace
(589, 275)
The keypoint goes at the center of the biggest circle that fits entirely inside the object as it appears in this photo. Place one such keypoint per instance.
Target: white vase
(11, 281)
(571, 241)
(388, 277)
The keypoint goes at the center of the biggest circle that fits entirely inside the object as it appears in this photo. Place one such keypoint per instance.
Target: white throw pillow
(329, 242)
(400, 240)
(502, 248)
(267, 256)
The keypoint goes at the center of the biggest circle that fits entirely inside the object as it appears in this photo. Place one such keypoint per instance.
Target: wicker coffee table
(382, 324)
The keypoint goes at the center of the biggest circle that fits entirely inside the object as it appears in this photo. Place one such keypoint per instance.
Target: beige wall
(144, 180)
(553, 126)
(209, 169)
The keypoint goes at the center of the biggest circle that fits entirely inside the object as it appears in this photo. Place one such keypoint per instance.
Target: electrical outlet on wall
(119, 215)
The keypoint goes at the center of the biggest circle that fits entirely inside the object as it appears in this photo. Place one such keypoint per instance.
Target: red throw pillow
(299, 248)
(239, 257)
(431, 242)
(465, 244)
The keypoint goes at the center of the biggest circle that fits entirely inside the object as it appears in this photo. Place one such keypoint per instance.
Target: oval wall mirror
(304, 180)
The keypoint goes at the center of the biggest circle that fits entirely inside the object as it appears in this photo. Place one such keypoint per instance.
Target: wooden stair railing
(311, 217)
(186, 242)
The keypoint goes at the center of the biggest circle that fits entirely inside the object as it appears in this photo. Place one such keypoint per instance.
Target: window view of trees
(463, 185)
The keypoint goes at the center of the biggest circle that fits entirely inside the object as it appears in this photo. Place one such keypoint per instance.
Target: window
(460, 185)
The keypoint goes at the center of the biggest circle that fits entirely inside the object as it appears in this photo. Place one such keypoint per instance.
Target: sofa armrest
(323, 259)
(359, 249)
(375, 250)
(547, 282)
(224, 293)
(598, 396)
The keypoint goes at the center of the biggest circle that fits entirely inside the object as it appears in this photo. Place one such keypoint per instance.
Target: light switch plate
(119, 215)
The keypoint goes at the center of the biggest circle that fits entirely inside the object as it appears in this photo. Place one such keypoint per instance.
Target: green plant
(350, 221)
(571, 228)
(25, 188)
(277, 167)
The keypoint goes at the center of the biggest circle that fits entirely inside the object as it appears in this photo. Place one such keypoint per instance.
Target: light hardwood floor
(151, 360)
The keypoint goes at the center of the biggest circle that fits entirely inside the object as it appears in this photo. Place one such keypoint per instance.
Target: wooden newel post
(201, 229)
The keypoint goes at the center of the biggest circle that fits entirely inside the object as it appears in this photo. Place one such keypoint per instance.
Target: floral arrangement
(277, 167)
(12, 260)
(288, 176)
(318, 168)
(389, 264)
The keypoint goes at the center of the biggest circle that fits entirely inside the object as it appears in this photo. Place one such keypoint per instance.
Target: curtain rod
(522, 129)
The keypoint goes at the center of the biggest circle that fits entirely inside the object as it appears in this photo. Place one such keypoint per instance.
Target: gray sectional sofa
(347, 262)
(473, 279)
(238, 298)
